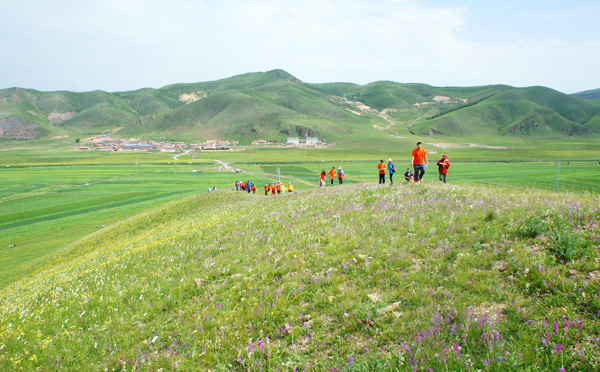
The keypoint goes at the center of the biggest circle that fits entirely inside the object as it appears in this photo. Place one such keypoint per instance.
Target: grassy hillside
(359, 278)
(272, 110)
(588, 94)
(275, 105)
(535, 111)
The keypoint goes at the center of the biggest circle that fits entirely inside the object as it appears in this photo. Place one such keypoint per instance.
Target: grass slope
(535, 111)
(359, 278)
(593, 94)
(272, 110)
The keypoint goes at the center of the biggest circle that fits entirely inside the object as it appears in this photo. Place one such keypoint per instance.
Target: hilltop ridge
(276, 104)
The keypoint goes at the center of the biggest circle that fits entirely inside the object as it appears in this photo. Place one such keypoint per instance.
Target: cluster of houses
(294, 142)
(217, 145)
(105, 143)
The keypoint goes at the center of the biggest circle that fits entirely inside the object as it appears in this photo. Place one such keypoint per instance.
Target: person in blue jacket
(391, 170)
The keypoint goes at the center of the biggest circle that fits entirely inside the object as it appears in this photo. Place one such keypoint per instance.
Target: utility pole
(556, 185)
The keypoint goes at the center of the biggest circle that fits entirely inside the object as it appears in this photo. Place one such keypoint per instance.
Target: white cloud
(127, 44)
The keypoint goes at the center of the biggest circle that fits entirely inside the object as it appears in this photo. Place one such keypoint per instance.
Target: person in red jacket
(443, 166)
(322, 177)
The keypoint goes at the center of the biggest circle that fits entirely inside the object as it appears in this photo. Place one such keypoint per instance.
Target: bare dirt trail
(228, 168)
(176, 157)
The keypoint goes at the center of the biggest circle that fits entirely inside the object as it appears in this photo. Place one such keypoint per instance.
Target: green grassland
(354, 278)
(90, 225)
(50, 197)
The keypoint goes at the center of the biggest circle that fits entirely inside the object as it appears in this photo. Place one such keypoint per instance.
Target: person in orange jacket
(443, 166)
(419, 161)
(332, 174)
(322, 178)
(267, 189)
(253, 187)
(381, 166)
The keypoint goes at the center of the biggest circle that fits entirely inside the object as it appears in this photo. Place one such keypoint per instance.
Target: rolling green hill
(274, 105)
(351, 278)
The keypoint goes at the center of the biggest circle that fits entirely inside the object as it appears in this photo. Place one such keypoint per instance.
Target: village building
(293, 141)
(136, 147)
(304, 142)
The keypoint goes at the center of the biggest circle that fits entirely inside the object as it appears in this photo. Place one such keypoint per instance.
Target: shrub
(531, 227)
(567, 245)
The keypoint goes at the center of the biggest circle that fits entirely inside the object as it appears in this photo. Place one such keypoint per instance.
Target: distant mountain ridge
(588, 94)
(275, 104)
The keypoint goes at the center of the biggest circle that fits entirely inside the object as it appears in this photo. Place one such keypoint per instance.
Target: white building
(291, 141)
(312, 140)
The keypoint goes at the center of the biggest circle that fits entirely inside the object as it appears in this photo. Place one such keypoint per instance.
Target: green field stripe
(84, 211)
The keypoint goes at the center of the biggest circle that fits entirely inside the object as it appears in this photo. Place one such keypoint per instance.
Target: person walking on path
(391, 170)
(332, 175)
(381, 167)
(443, 166)
(322, 178)
(419, 161)
(267, 189)
(340, 174)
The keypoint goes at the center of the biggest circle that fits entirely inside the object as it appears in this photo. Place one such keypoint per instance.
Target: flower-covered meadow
(362, 278)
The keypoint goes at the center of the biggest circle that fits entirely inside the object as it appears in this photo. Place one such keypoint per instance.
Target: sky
(121, 45)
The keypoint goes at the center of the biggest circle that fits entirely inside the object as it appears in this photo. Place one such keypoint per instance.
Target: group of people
(419, 162)
(332, 175)
(245, 186)
(277, 188)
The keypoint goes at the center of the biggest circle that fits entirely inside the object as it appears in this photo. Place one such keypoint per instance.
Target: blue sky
(118, 45)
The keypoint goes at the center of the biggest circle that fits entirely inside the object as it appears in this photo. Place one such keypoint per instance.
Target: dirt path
(228, 168)
(272, 177)
(176, 157)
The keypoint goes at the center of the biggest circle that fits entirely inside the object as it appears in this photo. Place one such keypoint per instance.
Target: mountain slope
(588, 94)
(275, 104)
(272, 109)
(533, 111)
